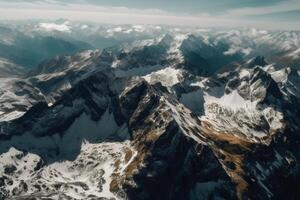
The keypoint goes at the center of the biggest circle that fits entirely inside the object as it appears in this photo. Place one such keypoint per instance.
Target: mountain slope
(170, 139)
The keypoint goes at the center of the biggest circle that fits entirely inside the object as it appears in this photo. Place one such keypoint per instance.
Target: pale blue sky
(274, 14)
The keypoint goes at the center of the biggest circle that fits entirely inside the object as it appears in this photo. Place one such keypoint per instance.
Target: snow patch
(232, 100)
(295, 54)
(167, 77)
(10, 116)
(174, 52)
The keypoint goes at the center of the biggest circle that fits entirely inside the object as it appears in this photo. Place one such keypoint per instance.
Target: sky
(267, 14)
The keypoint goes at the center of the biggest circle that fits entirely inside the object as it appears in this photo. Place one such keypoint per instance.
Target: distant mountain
(217, 46)
(28, 50)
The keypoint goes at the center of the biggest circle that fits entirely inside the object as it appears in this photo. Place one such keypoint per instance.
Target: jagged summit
(166, 40)
(257, 61)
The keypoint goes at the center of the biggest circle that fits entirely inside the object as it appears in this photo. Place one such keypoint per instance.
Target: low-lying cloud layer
(230, 14)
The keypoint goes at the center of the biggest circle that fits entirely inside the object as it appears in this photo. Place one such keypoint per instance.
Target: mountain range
(160, 113)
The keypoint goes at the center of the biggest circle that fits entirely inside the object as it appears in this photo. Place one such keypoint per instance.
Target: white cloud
(284, 6)
(50, 9)
(55, 27)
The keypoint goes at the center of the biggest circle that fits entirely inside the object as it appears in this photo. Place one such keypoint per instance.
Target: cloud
(53, 9)
(55, 27)
(284, 6)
